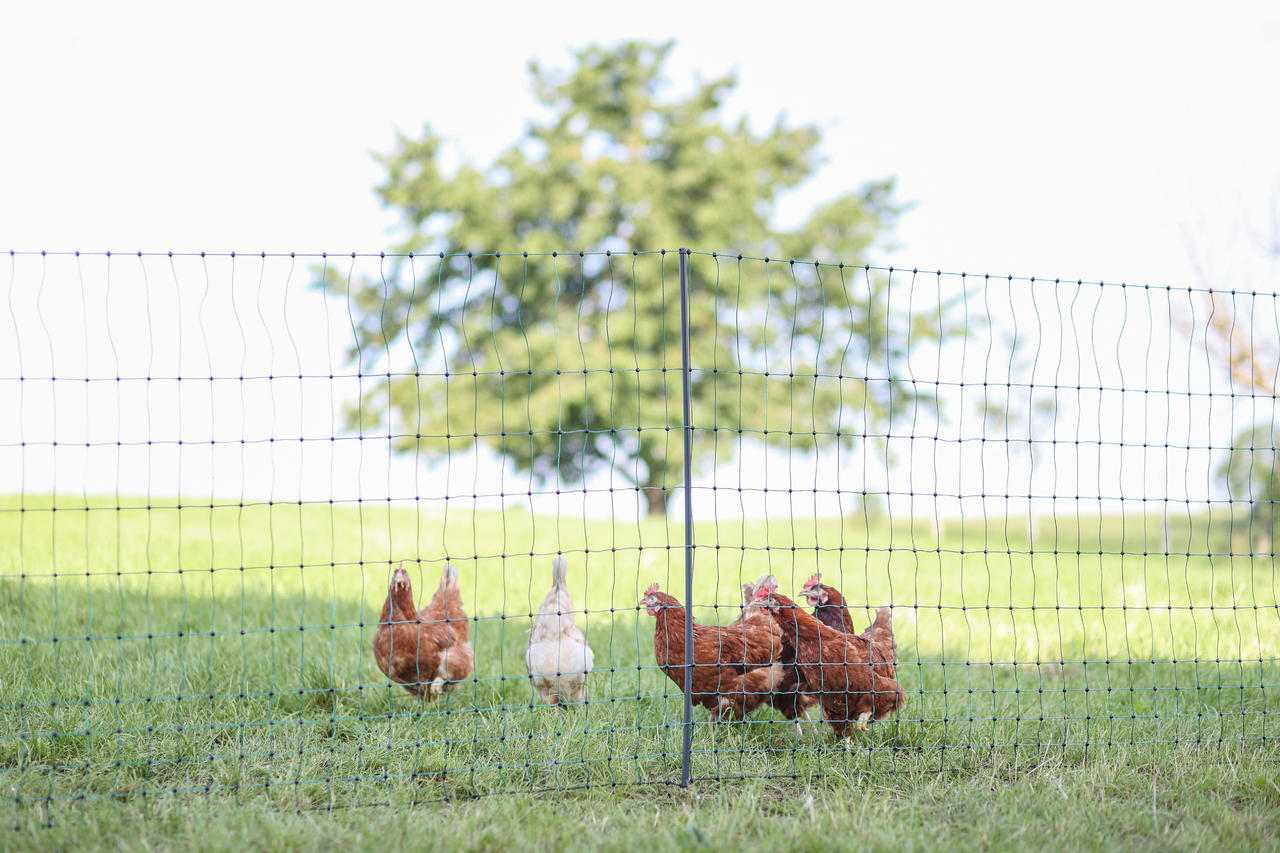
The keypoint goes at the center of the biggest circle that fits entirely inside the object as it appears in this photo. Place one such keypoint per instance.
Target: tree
(1242, 341)
(1251, 471)
(1240, 344)
(569, 363)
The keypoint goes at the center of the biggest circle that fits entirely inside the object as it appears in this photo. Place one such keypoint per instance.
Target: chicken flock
(774, 653)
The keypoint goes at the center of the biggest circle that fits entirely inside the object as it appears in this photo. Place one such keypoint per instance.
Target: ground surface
(1087, 686)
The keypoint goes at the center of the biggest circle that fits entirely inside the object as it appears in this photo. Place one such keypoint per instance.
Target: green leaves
(569, 363)
(1251, 470)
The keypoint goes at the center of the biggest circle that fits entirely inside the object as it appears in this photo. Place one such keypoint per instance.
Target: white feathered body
(558, 656)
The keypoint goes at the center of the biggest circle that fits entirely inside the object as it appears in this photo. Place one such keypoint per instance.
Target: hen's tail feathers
(888, 697)
(449, 577)
(749, 691)
(764, 679)
(768, 582)
(558, 569)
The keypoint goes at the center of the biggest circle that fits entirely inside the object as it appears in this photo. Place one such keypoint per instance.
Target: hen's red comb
(764, 591)
(813, 581)
(653, 587)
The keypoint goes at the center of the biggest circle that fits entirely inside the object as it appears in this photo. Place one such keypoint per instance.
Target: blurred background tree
(1251, 471)
(1242, 342)
(568, 365)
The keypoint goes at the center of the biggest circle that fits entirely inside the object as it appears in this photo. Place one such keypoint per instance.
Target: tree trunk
(656, 497)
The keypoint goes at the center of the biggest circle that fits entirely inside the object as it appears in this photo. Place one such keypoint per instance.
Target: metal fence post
(686, 753)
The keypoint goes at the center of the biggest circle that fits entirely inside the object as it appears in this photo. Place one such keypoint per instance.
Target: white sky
(1080, 145)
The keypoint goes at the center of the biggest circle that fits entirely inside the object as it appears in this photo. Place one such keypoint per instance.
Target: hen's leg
(836, 715)
(805, 701)
(814, 726)
(437, 684)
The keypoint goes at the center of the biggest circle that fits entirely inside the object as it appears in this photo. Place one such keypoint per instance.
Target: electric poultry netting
(333, 530)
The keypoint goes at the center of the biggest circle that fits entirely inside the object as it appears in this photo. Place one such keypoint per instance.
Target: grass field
(209, 670)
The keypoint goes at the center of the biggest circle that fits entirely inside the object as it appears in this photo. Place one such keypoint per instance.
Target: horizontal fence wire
(328, 530)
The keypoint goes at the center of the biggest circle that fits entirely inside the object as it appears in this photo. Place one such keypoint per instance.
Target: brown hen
(828, 604)
(834, 665)
(763, 685)
(425, 651)
(830, 609)
(736, 667)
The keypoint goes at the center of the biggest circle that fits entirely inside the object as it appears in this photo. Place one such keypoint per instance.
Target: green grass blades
(223, 656)
(1152, 797)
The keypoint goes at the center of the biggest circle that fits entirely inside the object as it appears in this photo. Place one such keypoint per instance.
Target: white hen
(558, 656)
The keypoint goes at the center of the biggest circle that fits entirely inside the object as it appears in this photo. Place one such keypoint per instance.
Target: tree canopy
(1241, 343)
(1251, 471)
(568, 364)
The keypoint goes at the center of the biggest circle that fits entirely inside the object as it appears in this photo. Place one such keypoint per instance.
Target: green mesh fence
(211, 467)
